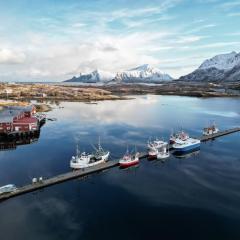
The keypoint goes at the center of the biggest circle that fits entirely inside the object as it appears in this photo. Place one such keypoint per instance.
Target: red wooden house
(18, 119)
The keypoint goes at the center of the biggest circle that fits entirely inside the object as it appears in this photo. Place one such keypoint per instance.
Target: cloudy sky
(52, 40)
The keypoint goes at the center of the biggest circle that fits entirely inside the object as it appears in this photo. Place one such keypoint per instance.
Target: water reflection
(186, 154)
(165, 199)
(11, 143)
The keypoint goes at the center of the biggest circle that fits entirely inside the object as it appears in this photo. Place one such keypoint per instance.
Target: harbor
(42, 183)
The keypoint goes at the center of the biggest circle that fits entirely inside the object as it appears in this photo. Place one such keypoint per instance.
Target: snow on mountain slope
(222, 61)
(93, 77)
(143, 73)
(223, 67)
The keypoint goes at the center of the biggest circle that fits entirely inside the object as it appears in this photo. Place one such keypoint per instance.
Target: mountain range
(141, 74)
(223, 67)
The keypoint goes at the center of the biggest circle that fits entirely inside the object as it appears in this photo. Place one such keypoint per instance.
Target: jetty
(91, 170)
(219, 134)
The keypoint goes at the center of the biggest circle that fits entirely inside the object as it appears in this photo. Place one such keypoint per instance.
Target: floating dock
(91, 170)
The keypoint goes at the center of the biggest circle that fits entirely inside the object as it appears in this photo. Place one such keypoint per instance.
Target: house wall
(6, 127)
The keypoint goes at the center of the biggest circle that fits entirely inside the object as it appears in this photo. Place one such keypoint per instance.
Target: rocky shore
(89, 93)
(178, 88)
(23, 92)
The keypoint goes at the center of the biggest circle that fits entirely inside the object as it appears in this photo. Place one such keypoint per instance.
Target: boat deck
(97, 168)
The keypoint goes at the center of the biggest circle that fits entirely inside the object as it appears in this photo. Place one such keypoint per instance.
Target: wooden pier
(91, 170)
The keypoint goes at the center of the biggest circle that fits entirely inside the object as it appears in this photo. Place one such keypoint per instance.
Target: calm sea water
(196, 197)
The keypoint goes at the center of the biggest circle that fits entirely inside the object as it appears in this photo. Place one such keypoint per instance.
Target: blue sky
(55, 39)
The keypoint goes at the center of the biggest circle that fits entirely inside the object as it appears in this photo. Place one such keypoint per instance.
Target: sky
(53, 40)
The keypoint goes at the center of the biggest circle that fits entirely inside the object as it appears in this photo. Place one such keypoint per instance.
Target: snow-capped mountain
(143, 73)
(93, 77)
(223, 67)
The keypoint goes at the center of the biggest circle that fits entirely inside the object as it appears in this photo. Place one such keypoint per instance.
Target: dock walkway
(81, 173)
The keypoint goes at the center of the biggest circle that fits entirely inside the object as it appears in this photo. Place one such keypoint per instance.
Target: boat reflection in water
(186, 154)
(11, 143)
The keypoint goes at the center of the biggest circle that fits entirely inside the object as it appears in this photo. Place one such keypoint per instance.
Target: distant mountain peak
(140, 74)
(222, 67)
(143, 67)
(143, 73)
(222, 61)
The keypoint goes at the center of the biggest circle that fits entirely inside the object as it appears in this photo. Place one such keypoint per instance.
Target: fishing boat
(101, 154)
(175, 136)
(152, 153)
(184, 143)
(155, 144)
(8, 189)
(187, 154)
(80, 160)
(85, 160)
(210, 130)
(163, 152)
(129, 160)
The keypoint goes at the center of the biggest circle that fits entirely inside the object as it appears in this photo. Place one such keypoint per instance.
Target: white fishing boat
(210, 130)
(85, 160)
(152, 153)
(101, 154)
(8, 189)
(174, 136)
(155, 144)
(163, 152)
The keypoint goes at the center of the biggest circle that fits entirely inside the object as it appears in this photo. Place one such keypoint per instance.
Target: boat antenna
(77, 150)
(93, 147)
(99, 145)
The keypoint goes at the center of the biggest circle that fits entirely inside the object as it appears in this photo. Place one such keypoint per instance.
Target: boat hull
(187, 147)
(162, 156)
(123, 164)
(82, 165)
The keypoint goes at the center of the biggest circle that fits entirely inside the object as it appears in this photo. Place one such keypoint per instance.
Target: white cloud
(234, 14)
(229, 5)
(189, 39)
(218, 44)
(10, 56)
(198, 29)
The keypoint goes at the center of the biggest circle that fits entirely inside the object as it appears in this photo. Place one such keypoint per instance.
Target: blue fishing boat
(185, 143)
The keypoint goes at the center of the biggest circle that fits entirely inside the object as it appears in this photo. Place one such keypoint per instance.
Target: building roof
(22, 108)
(7, 115)
(26, 120)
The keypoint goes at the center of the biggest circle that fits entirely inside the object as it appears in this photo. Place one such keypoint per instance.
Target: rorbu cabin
(18, 119)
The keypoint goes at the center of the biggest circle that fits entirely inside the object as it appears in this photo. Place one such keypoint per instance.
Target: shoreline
(23, 94)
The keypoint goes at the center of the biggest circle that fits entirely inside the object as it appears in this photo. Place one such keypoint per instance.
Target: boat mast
(99, 146)
(77, 150)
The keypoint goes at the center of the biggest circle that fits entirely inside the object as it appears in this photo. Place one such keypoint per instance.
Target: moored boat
(155, 144)
(129, 160)
(85, 160)
(184, 143)
(152, 153)
(187, 154)
(174, 136)
(101, 154)
(8, 189)
(163, 152)
(210, 130)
